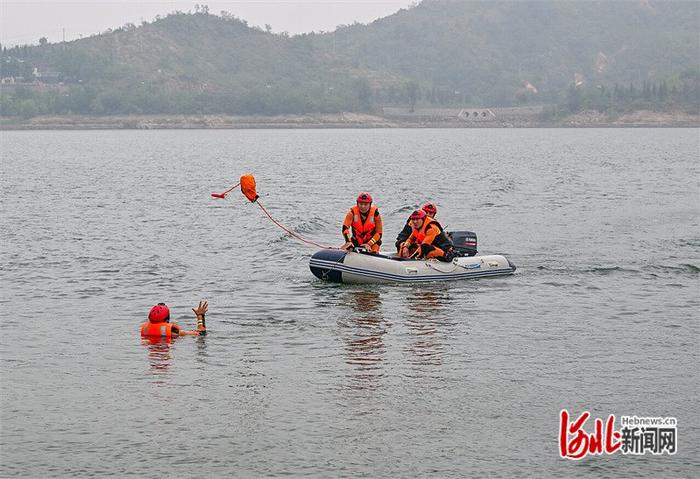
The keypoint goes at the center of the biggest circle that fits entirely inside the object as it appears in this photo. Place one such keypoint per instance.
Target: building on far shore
(47, 76)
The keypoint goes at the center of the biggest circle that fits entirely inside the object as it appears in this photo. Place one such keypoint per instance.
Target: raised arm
(200, 311)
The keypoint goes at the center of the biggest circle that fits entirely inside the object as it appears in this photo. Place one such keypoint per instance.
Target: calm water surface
(298, 377)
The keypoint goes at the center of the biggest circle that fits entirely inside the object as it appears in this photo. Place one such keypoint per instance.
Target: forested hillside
(604, 55)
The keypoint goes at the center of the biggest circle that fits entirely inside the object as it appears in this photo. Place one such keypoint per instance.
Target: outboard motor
(464, 242)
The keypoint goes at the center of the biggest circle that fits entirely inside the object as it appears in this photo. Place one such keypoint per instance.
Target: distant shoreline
(639, 119)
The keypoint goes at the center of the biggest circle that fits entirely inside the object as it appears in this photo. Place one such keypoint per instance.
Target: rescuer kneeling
(427, 239)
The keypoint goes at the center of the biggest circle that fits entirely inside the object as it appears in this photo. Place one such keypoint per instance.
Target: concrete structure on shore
(497, 116)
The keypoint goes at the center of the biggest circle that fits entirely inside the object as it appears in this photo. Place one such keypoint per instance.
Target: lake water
(303, 378)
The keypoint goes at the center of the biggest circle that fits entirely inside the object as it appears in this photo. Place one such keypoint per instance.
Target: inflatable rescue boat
(357, 267)
(361, 266)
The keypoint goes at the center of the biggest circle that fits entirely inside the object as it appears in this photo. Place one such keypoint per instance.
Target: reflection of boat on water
(431, 322)
(364, 337)
(340, 266)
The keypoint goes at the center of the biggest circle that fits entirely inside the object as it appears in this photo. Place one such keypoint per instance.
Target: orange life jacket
(363, 232)
(164, 330)
(420, 235)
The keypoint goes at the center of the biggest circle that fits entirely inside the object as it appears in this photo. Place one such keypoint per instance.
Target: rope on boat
(429, 265)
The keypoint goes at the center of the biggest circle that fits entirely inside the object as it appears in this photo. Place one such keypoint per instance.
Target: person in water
(430, 210)
(363, 225)
(159, 325)
(427, 239)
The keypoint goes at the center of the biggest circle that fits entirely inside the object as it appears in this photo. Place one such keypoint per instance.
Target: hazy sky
(26, 21)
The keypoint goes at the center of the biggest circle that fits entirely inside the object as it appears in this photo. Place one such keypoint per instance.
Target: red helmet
(429, 208)
(364, 198)
(418, 215)
(159, 313)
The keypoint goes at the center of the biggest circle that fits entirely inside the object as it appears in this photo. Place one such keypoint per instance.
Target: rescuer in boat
(430, 210)
(363, 225)
(427, 239)
(159, 325)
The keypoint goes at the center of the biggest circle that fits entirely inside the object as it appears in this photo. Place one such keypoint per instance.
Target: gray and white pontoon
(361, 267)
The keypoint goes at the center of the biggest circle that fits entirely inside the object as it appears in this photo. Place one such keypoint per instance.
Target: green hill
(440, 52)
(488, 50)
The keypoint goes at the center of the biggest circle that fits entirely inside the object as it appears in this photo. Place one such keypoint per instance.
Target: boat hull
(363, 268)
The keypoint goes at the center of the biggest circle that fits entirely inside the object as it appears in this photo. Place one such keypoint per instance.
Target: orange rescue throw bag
(248, 187)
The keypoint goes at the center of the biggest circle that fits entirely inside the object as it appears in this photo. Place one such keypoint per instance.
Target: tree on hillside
(363, 93)
(573, 98)
(413, 94)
